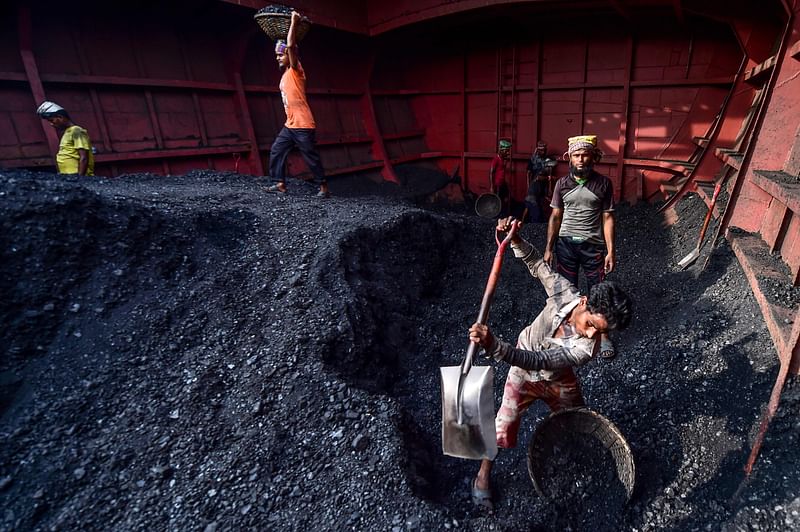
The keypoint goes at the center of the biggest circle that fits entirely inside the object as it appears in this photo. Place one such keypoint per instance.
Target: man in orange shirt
(299, 129)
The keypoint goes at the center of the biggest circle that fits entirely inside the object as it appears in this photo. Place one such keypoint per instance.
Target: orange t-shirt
(293, 94)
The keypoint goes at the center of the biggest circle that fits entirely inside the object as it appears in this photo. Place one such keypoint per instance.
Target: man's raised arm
(291, 44)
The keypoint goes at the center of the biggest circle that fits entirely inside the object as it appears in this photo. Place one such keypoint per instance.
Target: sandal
(280, 187)
(482, 498)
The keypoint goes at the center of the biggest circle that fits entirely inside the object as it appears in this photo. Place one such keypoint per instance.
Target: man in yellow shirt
(75, 154)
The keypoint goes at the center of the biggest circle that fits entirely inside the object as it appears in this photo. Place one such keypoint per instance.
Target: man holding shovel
(564, 335)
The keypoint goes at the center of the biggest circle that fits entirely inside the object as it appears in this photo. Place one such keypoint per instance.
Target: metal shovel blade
(468, 429)
(687, 261)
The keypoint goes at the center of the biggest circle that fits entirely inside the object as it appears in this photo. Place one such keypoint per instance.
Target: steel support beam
(621, 8)
(582, 90)
(498, 75)
(623, 123)
(198, 110)
(678, 9)
(97, 108)
(536, 100)
(464, 119)
(141, 71)
(371, 125)
(247, 123)
(25, 26)
(138, 155)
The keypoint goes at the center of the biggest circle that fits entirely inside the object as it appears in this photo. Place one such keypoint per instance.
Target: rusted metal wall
(171, 87)
(766, 191)
(646, 95)
(153, 92)
(179, 85)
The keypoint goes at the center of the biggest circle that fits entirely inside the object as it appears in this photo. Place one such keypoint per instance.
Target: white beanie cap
(48, 109)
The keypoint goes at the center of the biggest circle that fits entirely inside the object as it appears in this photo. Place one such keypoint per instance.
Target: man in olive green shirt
(75, 155)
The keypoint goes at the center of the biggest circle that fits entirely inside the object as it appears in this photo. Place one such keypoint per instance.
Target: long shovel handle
(488, 294)
(717, 187)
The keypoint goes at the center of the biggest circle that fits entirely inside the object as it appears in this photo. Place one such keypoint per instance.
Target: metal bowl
(560, 427)
(488, 205)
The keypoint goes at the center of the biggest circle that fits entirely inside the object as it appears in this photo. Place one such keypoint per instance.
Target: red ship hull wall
(648, 91)
(167, 89)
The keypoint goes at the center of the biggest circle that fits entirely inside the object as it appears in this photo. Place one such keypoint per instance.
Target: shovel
(468, 429)
(689, 259)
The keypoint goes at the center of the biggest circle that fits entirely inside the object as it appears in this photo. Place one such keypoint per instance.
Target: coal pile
(194, 353)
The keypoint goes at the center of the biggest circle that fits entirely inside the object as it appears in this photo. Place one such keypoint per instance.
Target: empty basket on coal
(488, 205)
(578, 457)
(275, 21)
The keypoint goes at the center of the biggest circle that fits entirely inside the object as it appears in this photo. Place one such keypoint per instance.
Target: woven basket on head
(276, 19)
(559, 427)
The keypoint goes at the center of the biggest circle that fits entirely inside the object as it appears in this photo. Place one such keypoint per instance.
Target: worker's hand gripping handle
(488, 294)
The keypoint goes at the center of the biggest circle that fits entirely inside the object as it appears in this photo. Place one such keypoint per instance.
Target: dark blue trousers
(304, 140)
(571, 257)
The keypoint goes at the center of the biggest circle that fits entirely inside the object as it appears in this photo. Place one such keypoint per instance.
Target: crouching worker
(564, 335)
(75, 154)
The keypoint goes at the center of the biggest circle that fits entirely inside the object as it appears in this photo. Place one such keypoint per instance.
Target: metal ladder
(507, 99)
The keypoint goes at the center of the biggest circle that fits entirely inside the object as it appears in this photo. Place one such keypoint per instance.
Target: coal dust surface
(195, 353)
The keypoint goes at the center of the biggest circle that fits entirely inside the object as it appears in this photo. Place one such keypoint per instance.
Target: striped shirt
(543, 356)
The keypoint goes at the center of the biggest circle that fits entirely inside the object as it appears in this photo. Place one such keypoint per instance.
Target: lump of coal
(276, 8)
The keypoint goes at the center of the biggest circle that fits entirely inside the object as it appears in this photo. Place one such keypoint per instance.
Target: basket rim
(303, 18)
(488, 199)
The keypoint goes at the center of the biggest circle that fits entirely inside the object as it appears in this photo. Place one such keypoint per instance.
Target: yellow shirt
(74, 138)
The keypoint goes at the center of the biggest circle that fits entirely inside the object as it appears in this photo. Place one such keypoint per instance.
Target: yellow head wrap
(583, 142)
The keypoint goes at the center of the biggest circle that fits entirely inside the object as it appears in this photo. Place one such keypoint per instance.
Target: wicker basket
(276, 19)
(488, 205)
(560, 426)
